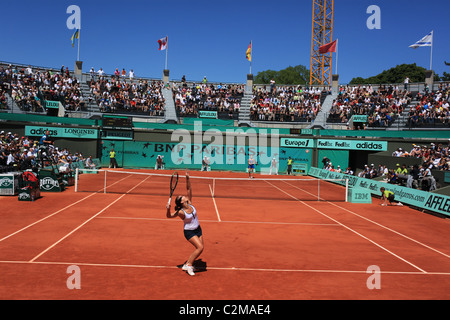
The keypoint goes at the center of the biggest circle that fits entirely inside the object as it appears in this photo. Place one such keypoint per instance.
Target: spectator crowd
(20, 153)
(123, 93)
(381, 106)
(194, 97)
(285, 103)
(435, 157)
(432, 108)
(29, 87)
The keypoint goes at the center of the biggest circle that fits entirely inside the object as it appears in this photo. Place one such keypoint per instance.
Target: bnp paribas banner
(418, 198)
(137, 154)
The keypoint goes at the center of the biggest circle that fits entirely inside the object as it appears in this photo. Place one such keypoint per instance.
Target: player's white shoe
(189, 270)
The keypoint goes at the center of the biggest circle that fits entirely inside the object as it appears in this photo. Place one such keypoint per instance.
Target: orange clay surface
(255, 248)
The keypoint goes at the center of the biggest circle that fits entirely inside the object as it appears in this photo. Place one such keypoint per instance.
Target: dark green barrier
(417, 198)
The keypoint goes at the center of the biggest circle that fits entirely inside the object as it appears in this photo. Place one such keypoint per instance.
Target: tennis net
(262, 187)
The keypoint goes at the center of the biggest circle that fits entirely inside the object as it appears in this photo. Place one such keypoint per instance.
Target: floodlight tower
(322, 33)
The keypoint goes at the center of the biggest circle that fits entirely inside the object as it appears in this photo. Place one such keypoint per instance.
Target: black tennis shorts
(188, 234)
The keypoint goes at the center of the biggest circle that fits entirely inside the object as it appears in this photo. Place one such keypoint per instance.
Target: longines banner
(418, 198)
(352, 145)
(57, 132)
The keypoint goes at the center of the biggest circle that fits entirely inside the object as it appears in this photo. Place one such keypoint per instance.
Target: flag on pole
(249, 53)
(426, 41)
(329, 47)
(76, 35)
(162, 44)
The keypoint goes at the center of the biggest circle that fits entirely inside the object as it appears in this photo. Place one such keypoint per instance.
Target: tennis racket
(173, 185)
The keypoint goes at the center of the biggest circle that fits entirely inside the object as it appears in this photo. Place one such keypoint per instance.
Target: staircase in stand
(244, 110)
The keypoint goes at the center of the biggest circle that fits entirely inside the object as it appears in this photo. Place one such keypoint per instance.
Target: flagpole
(251, 55)
(78, 56)
(167, 49)
(337, 55)
(431, 59)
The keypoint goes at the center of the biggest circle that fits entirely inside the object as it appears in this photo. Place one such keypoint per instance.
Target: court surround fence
(429, 201)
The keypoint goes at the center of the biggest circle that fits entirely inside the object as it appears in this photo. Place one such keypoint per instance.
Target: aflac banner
(422, 199)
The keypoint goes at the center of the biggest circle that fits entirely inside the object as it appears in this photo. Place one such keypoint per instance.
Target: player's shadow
(199, 265)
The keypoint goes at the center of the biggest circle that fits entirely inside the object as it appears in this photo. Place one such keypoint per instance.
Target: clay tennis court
(264, 240)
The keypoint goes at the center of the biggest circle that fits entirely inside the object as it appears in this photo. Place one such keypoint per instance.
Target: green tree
(395, 75)
(445, 77)
(298, 75)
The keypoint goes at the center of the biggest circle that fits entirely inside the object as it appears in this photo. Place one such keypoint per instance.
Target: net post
(318, 189)
(346, 190)
(76, 179)
(104, 187)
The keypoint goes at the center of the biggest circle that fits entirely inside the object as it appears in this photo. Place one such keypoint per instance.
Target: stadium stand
(430, 109)
(286, 103)
(388, 107)
(22, 153)
(119, 95)
(190, 98)
(29, 87)
(25, 89)
(382, 106)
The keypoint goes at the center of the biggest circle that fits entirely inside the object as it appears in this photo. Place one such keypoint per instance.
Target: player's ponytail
(178, 204)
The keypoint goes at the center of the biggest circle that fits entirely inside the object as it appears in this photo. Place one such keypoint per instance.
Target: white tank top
(190, 219)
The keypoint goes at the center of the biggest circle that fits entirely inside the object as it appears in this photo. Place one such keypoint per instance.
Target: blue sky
(209, 38)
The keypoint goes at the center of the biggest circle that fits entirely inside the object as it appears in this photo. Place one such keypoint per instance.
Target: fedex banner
(352, 145)
(422, 199)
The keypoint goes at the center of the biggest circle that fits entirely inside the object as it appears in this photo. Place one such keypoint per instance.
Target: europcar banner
(297, 143)
(422, 199)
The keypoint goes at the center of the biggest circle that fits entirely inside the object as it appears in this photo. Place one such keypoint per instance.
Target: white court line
(54, 213)
(81, 225)
(380, 225)
(350, 229)
(115, 265)
(49, 216)
(215, 206)
(215, 221)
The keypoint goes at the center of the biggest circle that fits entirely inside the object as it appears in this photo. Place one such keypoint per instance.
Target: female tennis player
(192, 230)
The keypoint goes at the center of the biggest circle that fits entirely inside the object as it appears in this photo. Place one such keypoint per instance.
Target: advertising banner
(208, 114)
(297, 143)
(57, 132)
(352, 145)
(138, 154)
(422, 199)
